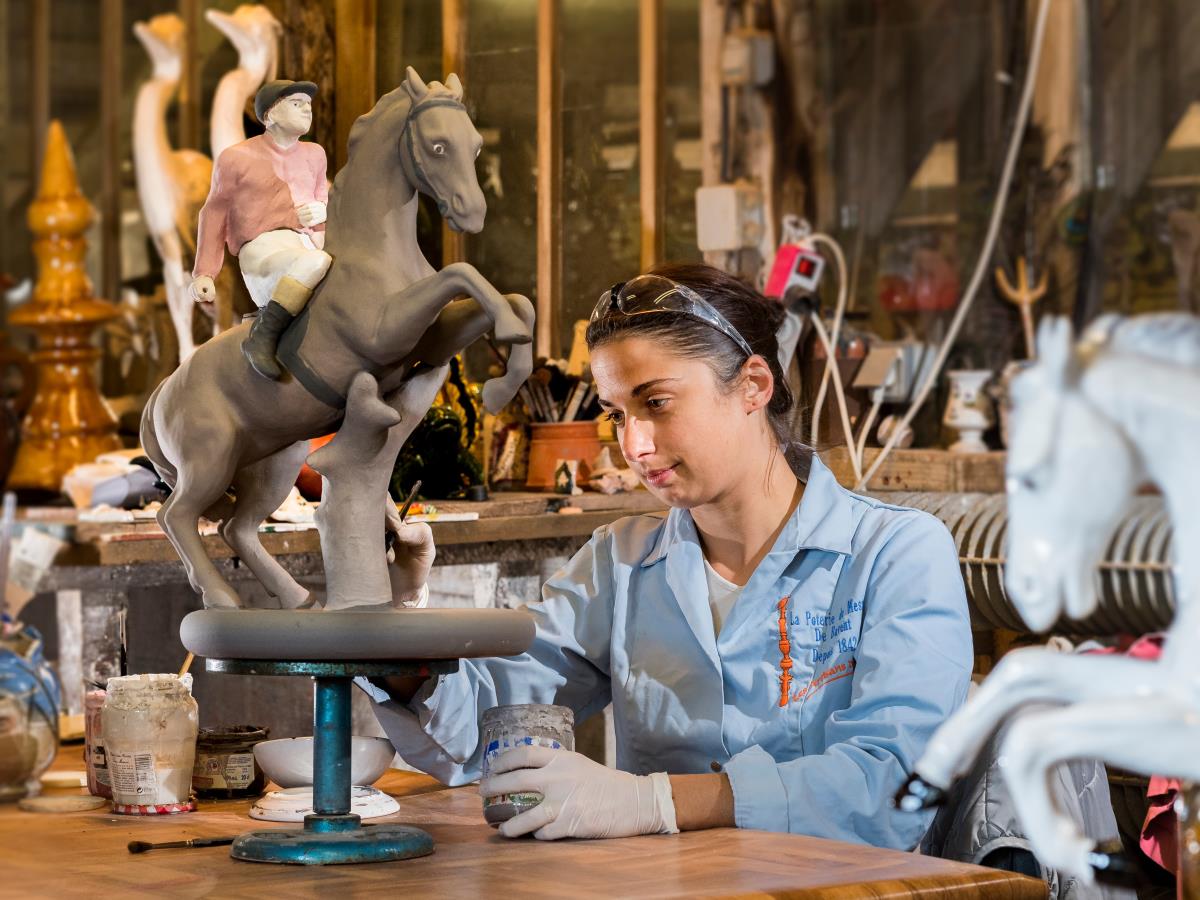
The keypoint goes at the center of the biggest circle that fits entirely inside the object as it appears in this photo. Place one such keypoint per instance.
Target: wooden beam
(6, 163)
(651, 152)
(712, 14)
(454, 59)
(712, 29)
(39, 84)
(354, 68)
(111, 46)
(189, 84)
(549, 179)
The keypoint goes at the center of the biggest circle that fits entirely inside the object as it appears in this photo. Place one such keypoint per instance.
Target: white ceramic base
(293, 804)
(969, 441)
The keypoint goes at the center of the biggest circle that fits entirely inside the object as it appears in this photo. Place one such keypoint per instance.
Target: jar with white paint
(149, 723)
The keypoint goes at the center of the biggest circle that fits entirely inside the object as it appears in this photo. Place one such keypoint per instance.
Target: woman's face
(685, 437)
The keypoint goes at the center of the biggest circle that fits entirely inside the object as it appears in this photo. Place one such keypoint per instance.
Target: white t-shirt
(722, 594)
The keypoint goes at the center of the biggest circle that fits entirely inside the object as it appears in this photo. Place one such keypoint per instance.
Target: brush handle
(143, 847)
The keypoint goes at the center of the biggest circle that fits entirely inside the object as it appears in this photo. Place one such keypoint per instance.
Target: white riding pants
(274, 254)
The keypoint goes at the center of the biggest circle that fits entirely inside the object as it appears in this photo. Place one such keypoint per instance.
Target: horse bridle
(408, 138)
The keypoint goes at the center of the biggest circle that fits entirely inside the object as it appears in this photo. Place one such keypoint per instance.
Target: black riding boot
(259, 347)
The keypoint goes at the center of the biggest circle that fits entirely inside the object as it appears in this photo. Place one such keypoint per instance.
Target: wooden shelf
(938, 471)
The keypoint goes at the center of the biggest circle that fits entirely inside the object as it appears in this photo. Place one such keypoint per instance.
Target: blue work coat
(847, 648)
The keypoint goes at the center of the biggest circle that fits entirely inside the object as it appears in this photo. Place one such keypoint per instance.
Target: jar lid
(150, 682)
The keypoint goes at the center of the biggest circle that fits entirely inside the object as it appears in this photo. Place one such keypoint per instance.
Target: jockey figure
(267, 204)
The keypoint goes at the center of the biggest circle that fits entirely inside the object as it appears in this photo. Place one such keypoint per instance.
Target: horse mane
(1163, 337)
(383, 106)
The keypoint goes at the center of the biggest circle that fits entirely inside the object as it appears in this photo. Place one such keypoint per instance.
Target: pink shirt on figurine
(278, 180)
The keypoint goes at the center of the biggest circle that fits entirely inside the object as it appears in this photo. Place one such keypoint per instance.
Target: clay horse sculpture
(214, 425)
(1122, 406)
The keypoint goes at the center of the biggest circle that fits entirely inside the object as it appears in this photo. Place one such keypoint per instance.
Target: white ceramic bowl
(288, 761)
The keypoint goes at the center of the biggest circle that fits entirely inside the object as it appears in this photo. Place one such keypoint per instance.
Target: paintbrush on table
(144, 846)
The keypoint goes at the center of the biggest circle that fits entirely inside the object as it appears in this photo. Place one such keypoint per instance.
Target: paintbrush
(144, 846)
(389, 537)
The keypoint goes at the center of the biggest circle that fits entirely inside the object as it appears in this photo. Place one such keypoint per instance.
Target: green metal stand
(332, 835)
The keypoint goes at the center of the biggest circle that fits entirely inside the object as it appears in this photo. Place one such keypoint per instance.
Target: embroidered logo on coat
(785, 655)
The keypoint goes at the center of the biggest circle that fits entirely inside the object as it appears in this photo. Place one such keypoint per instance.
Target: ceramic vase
(969, 411)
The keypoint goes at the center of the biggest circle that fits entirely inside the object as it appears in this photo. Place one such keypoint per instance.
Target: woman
(777, 650)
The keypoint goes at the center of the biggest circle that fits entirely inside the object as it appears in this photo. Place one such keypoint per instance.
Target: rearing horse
(215, 424)
(1091, 423)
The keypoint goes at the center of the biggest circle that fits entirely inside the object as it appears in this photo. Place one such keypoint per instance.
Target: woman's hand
(583, 799)
(411, 559)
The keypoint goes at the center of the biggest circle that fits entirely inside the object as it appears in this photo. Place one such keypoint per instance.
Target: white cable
(855, 464)
(839, 310)
(985, 253)
(867, 423)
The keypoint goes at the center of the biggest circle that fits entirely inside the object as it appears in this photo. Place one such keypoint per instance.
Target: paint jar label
(133, 773)
(239, 770)
(521, 802)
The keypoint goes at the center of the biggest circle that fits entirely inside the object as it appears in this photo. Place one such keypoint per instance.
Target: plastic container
(225, 765)
(149, 726)
(526, 724)
(93, 744)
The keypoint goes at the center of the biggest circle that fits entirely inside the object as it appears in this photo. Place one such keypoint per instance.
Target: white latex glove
(203, 289)
(311, 213)
(583, 799)
(411, 559)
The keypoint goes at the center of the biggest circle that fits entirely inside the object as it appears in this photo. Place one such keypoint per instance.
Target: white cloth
(722, 594)
(273, 254)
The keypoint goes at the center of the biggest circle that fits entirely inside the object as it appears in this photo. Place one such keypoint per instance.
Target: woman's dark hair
(754, 316)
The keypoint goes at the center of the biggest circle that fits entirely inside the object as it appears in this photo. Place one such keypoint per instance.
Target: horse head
(163, 38)
(1071, 471)
(438, 148)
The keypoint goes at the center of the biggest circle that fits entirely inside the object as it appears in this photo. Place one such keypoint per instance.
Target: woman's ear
(758, 384)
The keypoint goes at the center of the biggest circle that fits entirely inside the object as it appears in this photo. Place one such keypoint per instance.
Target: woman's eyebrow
(646, 385)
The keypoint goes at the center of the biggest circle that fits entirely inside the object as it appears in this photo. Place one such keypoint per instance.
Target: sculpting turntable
(333, 648)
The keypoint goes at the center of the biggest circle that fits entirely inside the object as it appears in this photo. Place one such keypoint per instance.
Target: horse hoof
(1112, 866)
(222, 600)
(496, 395)
(512, 331)
(296, 599)
(917, 794)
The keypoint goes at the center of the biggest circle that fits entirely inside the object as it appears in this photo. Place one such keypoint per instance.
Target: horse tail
(498, 391)
(166, 471)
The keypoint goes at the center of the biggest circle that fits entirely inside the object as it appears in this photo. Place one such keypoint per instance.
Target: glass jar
(149, 725)
(93, 744)
(225, 766)
(526, 724)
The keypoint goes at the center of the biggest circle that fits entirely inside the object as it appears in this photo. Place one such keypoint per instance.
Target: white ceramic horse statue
(1091, 424)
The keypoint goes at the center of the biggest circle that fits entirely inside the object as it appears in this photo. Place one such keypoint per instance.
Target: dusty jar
(225, 765)
(525, 724)
(149, 725)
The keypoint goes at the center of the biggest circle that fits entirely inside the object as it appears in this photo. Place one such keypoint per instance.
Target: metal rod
(331, 747)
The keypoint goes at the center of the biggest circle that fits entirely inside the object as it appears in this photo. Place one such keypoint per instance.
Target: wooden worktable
(77, 854)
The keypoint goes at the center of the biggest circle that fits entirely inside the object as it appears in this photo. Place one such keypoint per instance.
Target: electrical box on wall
(748, 58)
(795, 266)
(729, 216)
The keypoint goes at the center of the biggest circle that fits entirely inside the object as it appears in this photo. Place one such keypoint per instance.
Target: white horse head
(1071, 472)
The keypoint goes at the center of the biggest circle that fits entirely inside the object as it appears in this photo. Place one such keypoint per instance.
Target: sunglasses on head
(654, 294)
